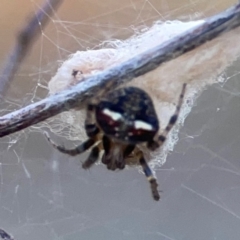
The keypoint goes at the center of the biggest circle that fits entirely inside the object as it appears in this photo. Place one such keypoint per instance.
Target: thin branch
(122, 73)
(25, 39)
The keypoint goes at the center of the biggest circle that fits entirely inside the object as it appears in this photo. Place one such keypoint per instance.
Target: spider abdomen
(127, 114)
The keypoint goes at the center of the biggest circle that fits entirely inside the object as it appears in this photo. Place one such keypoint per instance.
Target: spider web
(44, 194)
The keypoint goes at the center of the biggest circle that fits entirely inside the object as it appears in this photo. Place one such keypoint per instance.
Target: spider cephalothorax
(118, 124)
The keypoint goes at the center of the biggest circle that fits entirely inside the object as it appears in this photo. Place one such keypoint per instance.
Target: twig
(4, 235)
(122, 73)
(25, 39)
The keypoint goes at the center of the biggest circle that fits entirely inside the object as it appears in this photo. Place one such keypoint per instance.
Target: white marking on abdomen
(114, 115)
(138, 124)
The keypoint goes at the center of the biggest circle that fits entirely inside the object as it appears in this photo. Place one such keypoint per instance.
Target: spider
(118, 124)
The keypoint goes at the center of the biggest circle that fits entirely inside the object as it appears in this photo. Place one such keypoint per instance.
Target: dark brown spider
(117, 124)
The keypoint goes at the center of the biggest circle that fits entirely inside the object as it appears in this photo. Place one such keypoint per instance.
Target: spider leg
(106, 146)
(162, 137)
(122, 156)
(74, 151)
(90, 124)
(115, 156)
(148, 173)
(92, 158)
(126, 152)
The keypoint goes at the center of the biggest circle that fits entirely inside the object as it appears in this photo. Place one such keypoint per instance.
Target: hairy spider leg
(74, 151)
(115, 156)
(91, 130)
(163, 136)
(106, 146)
(127, 151)
(92, 158)
(148, 173)
(90, 123)
(112, 156)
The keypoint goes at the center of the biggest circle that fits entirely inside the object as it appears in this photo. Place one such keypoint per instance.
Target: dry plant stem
(25, 39)
(4, 235)
(122, 73)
